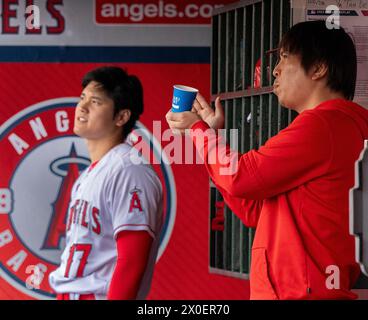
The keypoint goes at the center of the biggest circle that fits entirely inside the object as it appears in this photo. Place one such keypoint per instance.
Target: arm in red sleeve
(247, 211)
(133, 252)
(297, 154)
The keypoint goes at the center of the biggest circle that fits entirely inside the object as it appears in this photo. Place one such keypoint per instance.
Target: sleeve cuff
(135, 227)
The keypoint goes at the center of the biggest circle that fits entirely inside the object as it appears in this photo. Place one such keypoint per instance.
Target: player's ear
(319, 71)
(122, 117)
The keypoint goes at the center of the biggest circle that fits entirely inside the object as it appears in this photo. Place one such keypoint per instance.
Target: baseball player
(115, 211)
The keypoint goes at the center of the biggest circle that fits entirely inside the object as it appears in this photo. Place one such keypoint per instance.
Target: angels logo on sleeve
(135, 202)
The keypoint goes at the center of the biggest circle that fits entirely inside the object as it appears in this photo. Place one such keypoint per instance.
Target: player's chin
(287, 103)
(79, 131)
(281, 99)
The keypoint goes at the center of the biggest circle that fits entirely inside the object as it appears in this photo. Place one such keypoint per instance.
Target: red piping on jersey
(93, 165)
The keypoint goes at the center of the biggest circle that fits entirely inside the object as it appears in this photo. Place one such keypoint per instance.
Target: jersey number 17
(86, 250)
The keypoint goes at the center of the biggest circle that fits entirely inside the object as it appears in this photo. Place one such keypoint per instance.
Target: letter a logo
(135, 202)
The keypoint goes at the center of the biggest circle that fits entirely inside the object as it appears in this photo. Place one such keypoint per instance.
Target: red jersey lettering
(96, 219)
(84, 222)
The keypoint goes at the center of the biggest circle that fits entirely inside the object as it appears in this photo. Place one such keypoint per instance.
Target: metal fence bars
(244, 52)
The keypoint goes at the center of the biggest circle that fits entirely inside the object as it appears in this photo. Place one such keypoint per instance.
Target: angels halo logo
(40, 160)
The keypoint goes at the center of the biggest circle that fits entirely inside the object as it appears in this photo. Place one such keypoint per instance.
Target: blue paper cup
(183, 98)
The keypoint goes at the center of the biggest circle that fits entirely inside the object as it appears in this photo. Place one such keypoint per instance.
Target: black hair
(315, 43)
(125, 90)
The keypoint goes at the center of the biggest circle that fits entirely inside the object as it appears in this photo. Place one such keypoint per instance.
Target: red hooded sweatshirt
(295, 191)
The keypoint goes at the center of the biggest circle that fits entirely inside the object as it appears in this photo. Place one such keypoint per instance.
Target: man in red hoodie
(295, 188)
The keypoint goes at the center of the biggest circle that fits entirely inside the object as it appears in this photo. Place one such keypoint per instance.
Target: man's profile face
(292, 85)
(94, 114)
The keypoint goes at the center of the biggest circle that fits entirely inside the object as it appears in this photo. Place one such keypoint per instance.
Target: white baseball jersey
(114, 195)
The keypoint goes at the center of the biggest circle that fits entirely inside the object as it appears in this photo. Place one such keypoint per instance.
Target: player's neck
(98, 148)
(318, 97)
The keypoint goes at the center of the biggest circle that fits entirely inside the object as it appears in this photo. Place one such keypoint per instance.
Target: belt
(75, 296)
